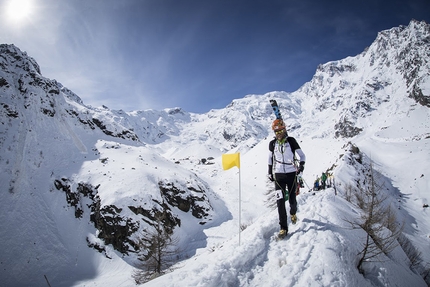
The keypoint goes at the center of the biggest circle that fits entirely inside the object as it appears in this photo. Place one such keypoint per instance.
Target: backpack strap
(293, 145)
(291, 141)
(272, 145)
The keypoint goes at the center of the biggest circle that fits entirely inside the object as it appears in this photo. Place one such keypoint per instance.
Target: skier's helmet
(277, 125)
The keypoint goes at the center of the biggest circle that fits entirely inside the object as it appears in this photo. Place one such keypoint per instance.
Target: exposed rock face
(194, 199)
(346, 129)
(113, 228)
(116, 228)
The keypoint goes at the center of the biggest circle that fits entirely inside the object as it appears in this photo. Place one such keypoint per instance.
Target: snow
(42, 240)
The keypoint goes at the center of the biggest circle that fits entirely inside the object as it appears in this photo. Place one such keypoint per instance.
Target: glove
(270, 173)
(301, 167)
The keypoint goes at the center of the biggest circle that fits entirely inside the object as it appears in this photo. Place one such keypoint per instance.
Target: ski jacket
(282, 155)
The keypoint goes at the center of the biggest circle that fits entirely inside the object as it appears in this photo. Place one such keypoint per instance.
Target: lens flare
(19, 10)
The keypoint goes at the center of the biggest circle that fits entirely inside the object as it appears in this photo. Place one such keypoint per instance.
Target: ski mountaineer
(323, 180)
(283, 172)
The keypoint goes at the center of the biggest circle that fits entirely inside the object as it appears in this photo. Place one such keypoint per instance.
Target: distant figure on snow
(323, 180)
(283, 172)
(330, 180)
(317, 184)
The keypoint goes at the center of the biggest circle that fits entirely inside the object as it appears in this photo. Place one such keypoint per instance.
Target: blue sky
(197, 55)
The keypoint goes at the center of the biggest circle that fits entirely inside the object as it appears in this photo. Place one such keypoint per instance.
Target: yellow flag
(230, 159)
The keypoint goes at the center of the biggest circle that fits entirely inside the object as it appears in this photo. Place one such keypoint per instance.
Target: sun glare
(19, 10)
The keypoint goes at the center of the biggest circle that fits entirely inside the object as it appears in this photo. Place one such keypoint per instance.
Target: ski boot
(293, 218)
(282, 234)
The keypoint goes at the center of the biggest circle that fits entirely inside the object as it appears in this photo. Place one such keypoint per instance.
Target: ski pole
(306, 183)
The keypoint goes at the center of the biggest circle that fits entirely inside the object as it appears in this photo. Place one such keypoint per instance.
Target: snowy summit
(84, 189)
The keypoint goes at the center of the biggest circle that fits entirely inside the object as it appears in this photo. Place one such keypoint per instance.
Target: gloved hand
(270, 173)
(301, 167)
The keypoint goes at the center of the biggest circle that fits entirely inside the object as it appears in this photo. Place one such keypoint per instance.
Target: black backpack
(293, 145)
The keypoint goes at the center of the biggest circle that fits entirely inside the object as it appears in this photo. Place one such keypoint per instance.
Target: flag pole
(240, 206)
(228, 161)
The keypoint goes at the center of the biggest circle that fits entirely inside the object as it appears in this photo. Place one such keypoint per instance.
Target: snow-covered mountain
(81, 184)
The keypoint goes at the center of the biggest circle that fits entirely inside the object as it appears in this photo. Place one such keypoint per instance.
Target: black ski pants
(283, 181)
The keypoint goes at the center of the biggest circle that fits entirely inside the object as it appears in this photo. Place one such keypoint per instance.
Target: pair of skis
(276, 110)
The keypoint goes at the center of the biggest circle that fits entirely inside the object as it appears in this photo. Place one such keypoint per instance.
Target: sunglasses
(279, 132)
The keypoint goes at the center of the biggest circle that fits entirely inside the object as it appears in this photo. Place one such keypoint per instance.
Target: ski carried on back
(276, 110)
